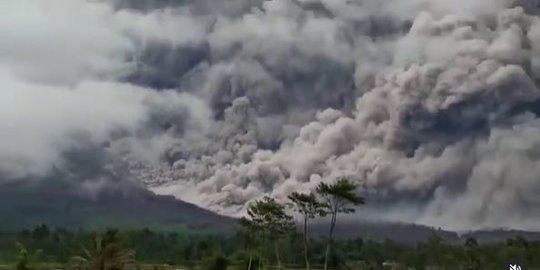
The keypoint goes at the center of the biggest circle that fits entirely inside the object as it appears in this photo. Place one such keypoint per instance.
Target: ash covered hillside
(430, 105)
(89, 193)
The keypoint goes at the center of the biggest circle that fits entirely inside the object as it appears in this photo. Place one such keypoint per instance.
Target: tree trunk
(306, 256)
(101, 264)
(250, 260)
(277, 255)
(330, 239)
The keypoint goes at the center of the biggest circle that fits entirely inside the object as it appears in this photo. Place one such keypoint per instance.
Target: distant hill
(86, 193)
(26, 205)
(64, 204)
(412, 234)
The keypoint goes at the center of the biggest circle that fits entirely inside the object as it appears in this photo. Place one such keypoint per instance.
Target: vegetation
(265, 239)
(309, 207)
(155, 250)
(107, 252)
(23, 260)
(270, 220)
(337, 198)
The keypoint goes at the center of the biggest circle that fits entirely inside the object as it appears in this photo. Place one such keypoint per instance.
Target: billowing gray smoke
(430, 105)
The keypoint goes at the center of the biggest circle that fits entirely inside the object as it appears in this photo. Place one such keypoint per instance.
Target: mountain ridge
(55, 205)
(64, 206)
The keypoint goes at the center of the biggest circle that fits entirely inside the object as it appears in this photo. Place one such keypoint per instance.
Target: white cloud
(60, 66)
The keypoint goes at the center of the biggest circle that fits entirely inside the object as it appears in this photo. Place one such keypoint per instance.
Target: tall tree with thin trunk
(248, 234)
(336, 198)
(273, 221)
(309, 207)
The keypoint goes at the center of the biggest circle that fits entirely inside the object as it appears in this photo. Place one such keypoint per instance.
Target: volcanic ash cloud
(445, 128)
(429, 105)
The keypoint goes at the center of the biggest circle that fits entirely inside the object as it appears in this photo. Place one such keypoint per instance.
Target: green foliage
(337, 198)
(306, 204)
(272, 221)
(201, 251)
(471, 243)
(245, 260)
(269, 217)
(106, 253)
(218, 262)
(309, 207)
(266, 238)
(23, 260)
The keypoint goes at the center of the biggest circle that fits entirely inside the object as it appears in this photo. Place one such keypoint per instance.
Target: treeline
(218, 252)
(268, 221)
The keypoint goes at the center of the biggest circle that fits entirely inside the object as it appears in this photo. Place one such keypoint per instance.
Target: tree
(309, 207)
(471, 243)
(217, 262)
(272, 220)
(337, 198)
(107, 253)
(27, 260)
(40, 232)
(248, 233)
(23, 260)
